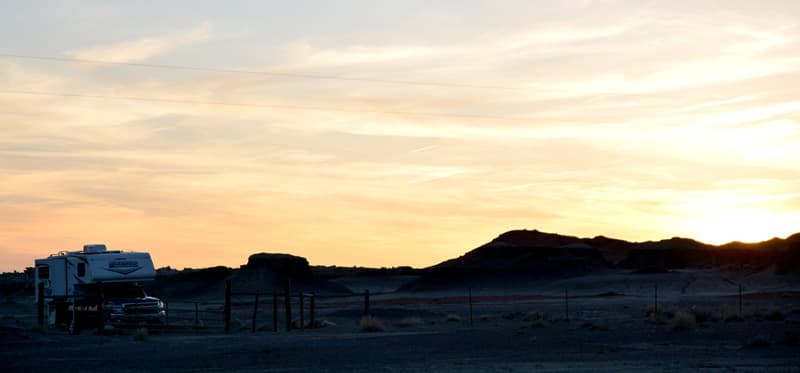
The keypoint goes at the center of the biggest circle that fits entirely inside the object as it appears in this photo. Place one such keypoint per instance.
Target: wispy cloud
(144, 48)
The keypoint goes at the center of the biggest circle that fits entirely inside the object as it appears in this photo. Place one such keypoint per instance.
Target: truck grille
(141, 308)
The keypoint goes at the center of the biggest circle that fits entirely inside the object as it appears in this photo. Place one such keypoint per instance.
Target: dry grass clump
(653, 313)
(371, 324)
(536, 319)
(730, 314)
(534, 316)
(141, 334)
(683, 320)
(453, 318)
(409, 322)
(774, 315)
(704, 315)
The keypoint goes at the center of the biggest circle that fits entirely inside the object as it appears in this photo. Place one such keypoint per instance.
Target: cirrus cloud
(144, 48)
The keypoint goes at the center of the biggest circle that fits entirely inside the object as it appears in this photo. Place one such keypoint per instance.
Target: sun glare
(745, 225)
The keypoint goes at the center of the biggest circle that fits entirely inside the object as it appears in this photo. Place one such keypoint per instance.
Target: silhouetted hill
(521, 255)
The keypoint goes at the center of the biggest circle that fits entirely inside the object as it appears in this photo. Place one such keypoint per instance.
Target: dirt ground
(606, 331)
(598, 337)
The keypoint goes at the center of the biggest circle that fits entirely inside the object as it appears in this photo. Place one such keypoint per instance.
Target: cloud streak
(142, 49)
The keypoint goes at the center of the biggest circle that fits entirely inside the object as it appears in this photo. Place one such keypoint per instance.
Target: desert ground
(611, 324)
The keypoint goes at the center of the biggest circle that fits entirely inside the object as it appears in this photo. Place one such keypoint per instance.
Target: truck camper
(74, 284)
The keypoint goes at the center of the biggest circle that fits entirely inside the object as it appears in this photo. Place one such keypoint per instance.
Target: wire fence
(286, 310)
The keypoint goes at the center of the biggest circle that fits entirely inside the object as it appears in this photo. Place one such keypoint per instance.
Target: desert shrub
(371, 324)
(774, 315)
(704, 315)
(760, 341)
(650, 311)
(730, 314)
(683, 320)
(534, 316)
(485, 317)
(453, 318)
(409, 322)
(141, 334)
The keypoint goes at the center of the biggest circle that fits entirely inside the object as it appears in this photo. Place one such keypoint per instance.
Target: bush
(730, 314)
(534, 316)
(371, 324)
(141, 334)
(683, 320)
(453, 318)
(703, 315)
(774, 315)
(409, 322)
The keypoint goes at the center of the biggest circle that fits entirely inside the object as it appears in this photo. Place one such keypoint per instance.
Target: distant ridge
(531, 254)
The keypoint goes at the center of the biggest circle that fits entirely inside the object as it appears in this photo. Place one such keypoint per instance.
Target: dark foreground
(499, 345)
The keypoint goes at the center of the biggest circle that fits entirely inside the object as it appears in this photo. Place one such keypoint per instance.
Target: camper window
(81, 269)
(44, 272)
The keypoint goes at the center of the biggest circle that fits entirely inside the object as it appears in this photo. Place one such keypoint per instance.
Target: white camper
(73, 281)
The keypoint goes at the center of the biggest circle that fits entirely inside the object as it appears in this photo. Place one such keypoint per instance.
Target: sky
(392, 133)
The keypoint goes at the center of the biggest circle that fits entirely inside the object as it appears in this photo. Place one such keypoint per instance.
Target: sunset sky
(392, 133)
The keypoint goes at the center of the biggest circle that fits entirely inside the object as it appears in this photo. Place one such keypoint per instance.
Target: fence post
(197, 317)
(40, 305)
(366, 303)
(311, 307)
(166, 313)
(566, 303)
(740, 300)
(274, 312)
(470, 306)
(287, 294)
(101, 317)
(255, 312)
(302, 312)
(227, 306)
(655, 301)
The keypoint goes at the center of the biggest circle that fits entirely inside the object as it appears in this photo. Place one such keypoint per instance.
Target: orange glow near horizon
(212, 136)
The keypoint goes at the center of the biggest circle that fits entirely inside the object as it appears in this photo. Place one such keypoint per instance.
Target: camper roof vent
(94, 248)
